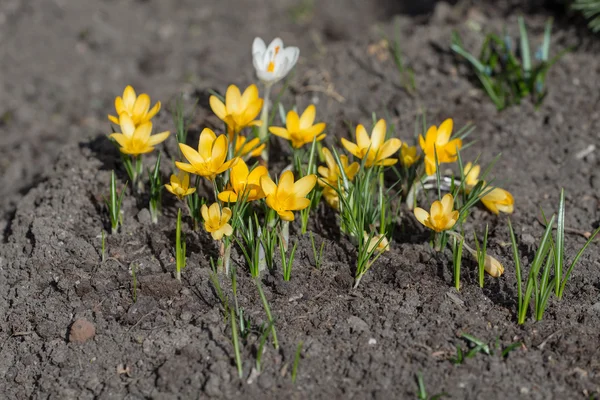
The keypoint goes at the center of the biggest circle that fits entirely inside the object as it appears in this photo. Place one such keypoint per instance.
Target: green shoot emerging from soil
(476, 346)
(508, 76)
(296, 362)
(549, 255)
(590, 10)
(318, 256)
(114, 204)
(156, 188)
(180, 248)
(103, 238)
(422, 392)
(287, 262)
(134, 282)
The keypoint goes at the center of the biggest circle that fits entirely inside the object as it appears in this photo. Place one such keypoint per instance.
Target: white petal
(258, 46)
(277, 42)
(292, 53)
(266, 77)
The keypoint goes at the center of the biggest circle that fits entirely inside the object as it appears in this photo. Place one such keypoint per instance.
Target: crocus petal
(352, 148)
(362, 138)
(128, 98)
(158, 138)
(232, 99)
(493, 266)
(430, 166)
(389, 147)
(228, 196)
(444, 132)
(286, 183)
(387, 162)
(378, 135)
(170, 189)
(204, 212)
(436, 209)
(141, 105)
(127, 125)
(314, 130)
(286, 215)
(447, 203)
(256, 174)
(153, 111)
(225, 214)
(186, 167)
(218, 234)
(205, 143)
(250, 94)
(275, 46)
(299, 203)
(227, 230)
(219, 150)
(421, 215)
(119, 106)
(191, 155)
(142, 132)
(185, 181)
(227, 165)
(120, 138)
(304, 185)
(279, 131)
(308, 117)
(258, 46)
(113, 119)
(267, 185)
(292, 121)
(217, 107)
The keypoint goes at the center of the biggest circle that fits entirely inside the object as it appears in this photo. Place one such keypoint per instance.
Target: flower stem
(285, 234)
(224, 257)
(264, 127)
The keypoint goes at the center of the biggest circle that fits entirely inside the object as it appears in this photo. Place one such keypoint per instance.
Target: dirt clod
(81, 331)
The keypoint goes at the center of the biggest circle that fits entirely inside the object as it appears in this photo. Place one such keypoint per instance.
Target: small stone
(144, 216)
(372, 341)
(81, 331)
(595, 307)
(357, 325)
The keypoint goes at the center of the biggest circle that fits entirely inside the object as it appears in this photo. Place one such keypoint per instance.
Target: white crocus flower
(273, 63)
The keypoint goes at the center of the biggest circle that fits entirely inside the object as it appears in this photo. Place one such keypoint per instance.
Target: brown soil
(63, 62)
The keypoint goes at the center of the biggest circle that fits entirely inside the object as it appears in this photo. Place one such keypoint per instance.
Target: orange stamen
(271, 66)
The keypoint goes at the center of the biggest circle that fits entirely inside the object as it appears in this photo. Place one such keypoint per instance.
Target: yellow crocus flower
(250, 148)
(441, 216)
(180, 185)
(209, 160)
(136, 140)
(496, 200)
(331, 174)
(216, 220)
(239, 110)
(499, 200)
(383, 245)
(437, 140)
(244, 184)
(300, 130)
(137, 107)
(471, 173)
(376, 149)
(288, 196)
(408, 155)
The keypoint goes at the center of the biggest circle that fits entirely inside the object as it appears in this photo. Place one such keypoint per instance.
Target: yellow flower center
(271, 66)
